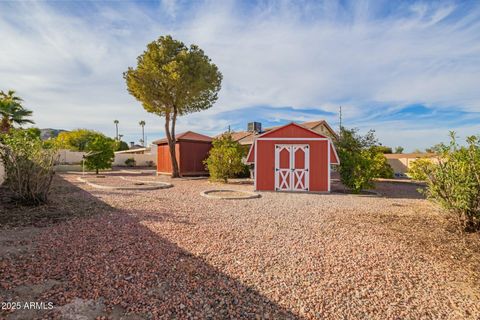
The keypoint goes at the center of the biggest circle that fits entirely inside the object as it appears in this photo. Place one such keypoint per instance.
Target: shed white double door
(292, 164)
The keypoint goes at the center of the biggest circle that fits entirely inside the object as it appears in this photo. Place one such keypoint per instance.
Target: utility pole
(142, 124)
(340, 118)
(116, 128)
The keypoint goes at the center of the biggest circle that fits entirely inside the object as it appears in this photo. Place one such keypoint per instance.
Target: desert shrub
(244, 173)
(381, 167)
(130, 162)
(454, 182)
(419, 169)
(225, 158)
(150, 163)
(28, 166)
(361, 160)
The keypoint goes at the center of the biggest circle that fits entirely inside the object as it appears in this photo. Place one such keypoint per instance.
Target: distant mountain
(49, 133)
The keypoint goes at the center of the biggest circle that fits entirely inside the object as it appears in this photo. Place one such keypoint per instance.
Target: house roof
(247, 137)
(186, 136)
(408, 155)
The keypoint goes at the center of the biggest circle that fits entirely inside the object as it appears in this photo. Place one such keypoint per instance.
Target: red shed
(292, 158)
(190, 149)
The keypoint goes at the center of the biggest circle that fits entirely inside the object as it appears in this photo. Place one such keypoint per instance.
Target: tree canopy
(172, 80)
(100, 153)
(76, 140)
(12, 112)
(399, 149)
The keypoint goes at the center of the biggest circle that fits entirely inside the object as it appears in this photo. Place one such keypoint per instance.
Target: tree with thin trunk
(116, 128)
(12, 112)
(142, 124)
(172, 80)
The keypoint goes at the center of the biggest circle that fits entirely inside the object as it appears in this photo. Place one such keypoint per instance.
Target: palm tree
(142, 124)
(116, 128)
(12, 112)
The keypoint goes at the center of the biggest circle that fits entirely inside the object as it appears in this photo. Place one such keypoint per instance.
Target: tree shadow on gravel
(111, 258)
(65, 202)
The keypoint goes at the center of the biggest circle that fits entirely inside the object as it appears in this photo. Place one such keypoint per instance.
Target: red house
(191, 149)
(292, 158)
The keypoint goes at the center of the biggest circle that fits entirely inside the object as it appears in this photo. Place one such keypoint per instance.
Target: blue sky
(408, 69)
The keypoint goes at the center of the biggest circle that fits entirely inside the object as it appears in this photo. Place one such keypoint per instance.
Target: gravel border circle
(154, 185)
(249, 195)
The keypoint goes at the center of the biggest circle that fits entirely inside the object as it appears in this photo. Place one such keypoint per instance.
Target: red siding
(164, 162)
(265, 165)
(193, 155)
(189, 154)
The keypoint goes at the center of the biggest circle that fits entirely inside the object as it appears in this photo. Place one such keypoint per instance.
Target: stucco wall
(70, 157)
(401, 164)
(140, 159)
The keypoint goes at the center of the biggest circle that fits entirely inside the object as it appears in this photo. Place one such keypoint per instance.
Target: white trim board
(294, 139)
(334, 151)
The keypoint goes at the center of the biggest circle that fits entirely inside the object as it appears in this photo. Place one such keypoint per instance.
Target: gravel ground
(172, 253)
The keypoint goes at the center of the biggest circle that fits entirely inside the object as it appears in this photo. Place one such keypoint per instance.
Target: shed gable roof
(184, 136)
(291, 130)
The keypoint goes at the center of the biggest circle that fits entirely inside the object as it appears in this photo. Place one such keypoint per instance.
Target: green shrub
(100, 153)
(130, 162)
(361, 160)
(28, 166)
(150, 163)
(419, 169)
(225, 158)
(454, 182)
(382, 167)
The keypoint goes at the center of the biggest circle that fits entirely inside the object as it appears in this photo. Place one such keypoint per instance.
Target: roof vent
(254, 127)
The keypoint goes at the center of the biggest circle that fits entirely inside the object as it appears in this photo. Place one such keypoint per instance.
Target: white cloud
(68, 64)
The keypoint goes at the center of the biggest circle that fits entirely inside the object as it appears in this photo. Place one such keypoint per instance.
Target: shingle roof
(189, 135)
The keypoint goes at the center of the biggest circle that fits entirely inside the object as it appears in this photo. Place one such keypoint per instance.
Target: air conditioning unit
(254, 127)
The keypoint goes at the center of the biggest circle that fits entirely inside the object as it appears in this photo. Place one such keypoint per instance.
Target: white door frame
(285, 178)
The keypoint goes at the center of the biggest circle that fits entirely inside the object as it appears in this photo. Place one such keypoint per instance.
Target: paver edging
(250, 195)
(154, 185)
